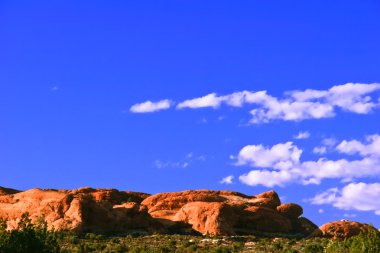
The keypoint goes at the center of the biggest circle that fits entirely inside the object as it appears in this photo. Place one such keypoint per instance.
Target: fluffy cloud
(302, 135)
(227, 180)
(150, 106)
(281, 164)
(293, 106)
(313, 172)
(354, 196)
(280, 156)
(266, 178)
(210, 100)
(370, 148)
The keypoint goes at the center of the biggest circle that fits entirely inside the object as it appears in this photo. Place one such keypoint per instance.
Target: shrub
(313, 248)
(28, 237)
(364, 242)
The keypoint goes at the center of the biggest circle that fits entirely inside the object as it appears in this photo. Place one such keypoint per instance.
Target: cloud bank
(293, 106)
(281, 164)
(354, 196)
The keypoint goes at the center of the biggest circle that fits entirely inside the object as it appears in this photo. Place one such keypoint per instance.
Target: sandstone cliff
(188, 212)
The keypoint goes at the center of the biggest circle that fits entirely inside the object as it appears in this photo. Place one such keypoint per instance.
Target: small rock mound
(270, 195)
(343, 229)
(290, 210)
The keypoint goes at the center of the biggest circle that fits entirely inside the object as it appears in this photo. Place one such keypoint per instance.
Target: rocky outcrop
(224, 212)
(188, 212)
(80, 210)
(343, 229)
(304, 226)
(291, 210)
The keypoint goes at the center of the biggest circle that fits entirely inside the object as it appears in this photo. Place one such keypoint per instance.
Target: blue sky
(75, 78)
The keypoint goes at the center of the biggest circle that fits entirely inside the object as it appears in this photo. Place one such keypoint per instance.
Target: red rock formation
(219, 212)
(343, 229)
(270, 195)
(81, 210)
(201, 211)
(211, 218)
(256, 219)
(304, 226)
(290, 210)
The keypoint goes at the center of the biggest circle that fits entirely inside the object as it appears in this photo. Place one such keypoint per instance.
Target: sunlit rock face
(188, 212)
(226, 213)
(80, 210)
(343, 229)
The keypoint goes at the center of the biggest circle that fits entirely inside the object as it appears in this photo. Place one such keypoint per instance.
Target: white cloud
(227, 180)
(266, 178)
(354, 196)
(370, 148)
(320, 150)
(281, 164)
(321, 211)
(344, 169)
(281, 156)
(302, 135)
(210, 100)
(289, 110)
(352, 97)
(150, 106)
(294, 105)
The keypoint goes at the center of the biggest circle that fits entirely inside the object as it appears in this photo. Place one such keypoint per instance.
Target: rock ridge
(205, 212)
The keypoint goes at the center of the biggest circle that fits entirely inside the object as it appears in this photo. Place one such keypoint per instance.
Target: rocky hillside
(189, 212)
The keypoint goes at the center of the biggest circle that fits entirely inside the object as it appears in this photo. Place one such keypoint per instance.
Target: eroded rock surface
(80, 210)
(290, 210)
(343, 229)
(197, 211)
(223, 212)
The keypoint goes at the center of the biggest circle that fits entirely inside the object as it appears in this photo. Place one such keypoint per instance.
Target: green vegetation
(28, 237)
(33, 238)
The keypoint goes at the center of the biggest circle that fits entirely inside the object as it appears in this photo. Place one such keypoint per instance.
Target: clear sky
(159, 96)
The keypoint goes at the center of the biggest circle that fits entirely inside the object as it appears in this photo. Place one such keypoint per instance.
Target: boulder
(290, 210)
(343, 229)
(270, 195)
(264, 202)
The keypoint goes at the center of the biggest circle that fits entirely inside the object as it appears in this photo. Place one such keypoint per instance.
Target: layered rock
(225, 212)
(199, 211)
(81, 210)
(343, 229)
